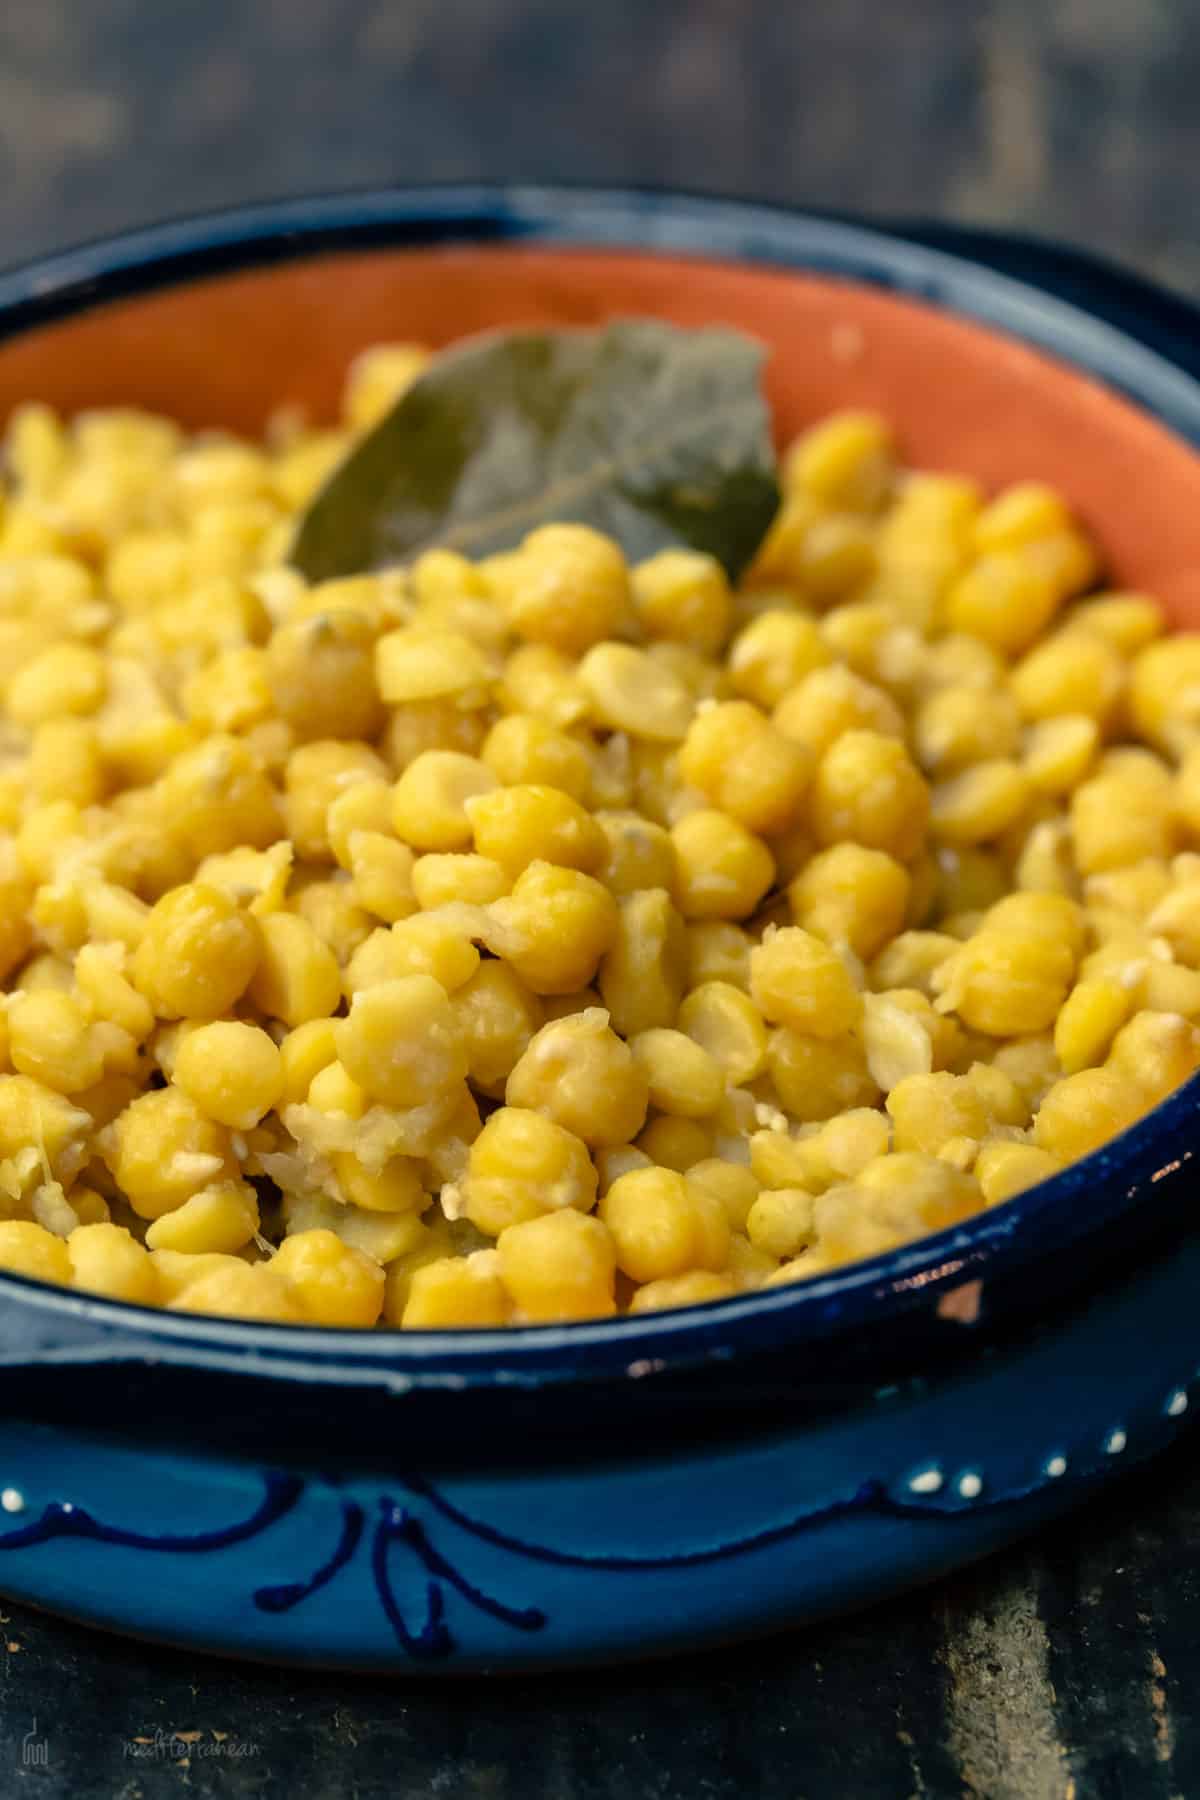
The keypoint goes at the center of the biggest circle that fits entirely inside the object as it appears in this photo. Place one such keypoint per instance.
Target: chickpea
(580, 1074)
(321, 672)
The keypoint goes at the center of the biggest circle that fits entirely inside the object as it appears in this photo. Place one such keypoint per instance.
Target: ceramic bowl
(488, 1500)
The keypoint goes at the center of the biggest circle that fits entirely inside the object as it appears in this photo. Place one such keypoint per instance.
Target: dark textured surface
(1059, 1671)
(1072, 117)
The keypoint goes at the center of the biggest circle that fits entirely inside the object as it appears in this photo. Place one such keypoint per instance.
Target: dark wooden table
(1063, 1670)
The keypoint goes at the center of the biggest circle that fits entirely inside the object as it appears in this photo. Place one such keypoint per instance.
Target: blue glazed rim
(1080, 1204)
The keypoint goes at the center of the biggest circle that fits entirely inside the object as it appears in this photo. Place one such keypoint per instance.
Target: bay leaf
(656, 435)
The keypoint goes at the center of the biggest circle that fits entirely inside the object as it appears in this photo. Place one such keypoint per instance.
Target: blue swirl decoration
(408, 1523)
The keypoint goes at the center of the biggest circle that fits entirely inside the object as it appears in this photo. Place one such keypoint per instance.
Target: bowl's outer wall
(229, 350)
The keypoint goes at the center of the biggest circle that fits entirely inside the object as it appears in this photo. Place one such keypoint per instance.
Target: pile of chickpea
(544, 938)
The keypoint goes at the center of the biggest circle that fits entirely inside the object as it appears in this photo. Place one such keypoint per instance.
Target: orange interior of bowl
(230, 349)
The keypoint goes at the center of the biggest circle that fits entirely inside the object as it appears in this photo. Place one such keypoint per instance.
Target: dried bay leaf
(653, 434)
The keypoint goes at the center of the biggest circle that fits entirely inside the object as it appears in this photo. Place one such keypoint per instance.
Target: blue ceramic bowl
(485, 1500)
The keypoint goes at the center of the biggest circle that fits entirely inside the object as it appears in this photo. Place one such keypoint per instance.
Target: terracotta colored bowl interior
(228, 350)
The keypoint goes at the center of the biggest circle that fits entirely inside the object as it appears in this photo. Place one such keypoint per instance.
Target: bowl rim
(1042, 1221)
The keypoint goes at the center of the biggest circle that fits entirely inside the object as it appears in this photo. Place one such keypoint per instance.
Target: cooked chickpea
(568, 588)
(217, 1221)
(683, 1078)
(796, 979)
(232, 1071)
(429, 803)
(868, 790)
(726, 1023)
(514, 826)
(558, 1266)
(853, 895)
(553, 928)
(643, 976)
(663, 1225)
(722, 870)
(321, 673)
(497, 1015)
(31, 1250)
(523, 1165)
(106, 1259)
(579, 1073)
(330, 1281)
(51, 1039)
(297, 977)
(773, 653)
(162, 1149)
(419, 663)
(522, 750)
(198, 953)
(401, 1041)
(745, 767)
(631, 691)
(683, 596)
(640, 854)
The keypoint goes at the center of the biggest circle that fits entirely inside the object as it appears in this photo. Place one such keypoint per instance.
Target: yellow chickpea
(162, 1149)
(297, 976)
(52, 1040)
(1085, 1110)
(523, 750)
(106, 1259)
(331, 1282)
(401, 1041)
(796, 979)
(629, 690)
(868, 790)
(1164, 686)
(568, 588)
(640, 854)
(1003, 598)
(232, 1071)
(818, 1077)
(455, 1291)
(316, 777)
(643, 976)
(851, 894)
(674, 1143)
(682, 1077)
(833, 700)
(558, 1266)
(845, 461)
(321, 672)
(522, 1165)
(218, 796)
(419, 664)
(429, 803)
(683, 596)
(722, 870)
(579, 1073)
(773, 653)
(718, 951)
(31, 1250)
(553, 928)
(663, 1225)
(234, 1289)
(515, 826)
(497, 1015)
(745, 767)
(198, 953)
